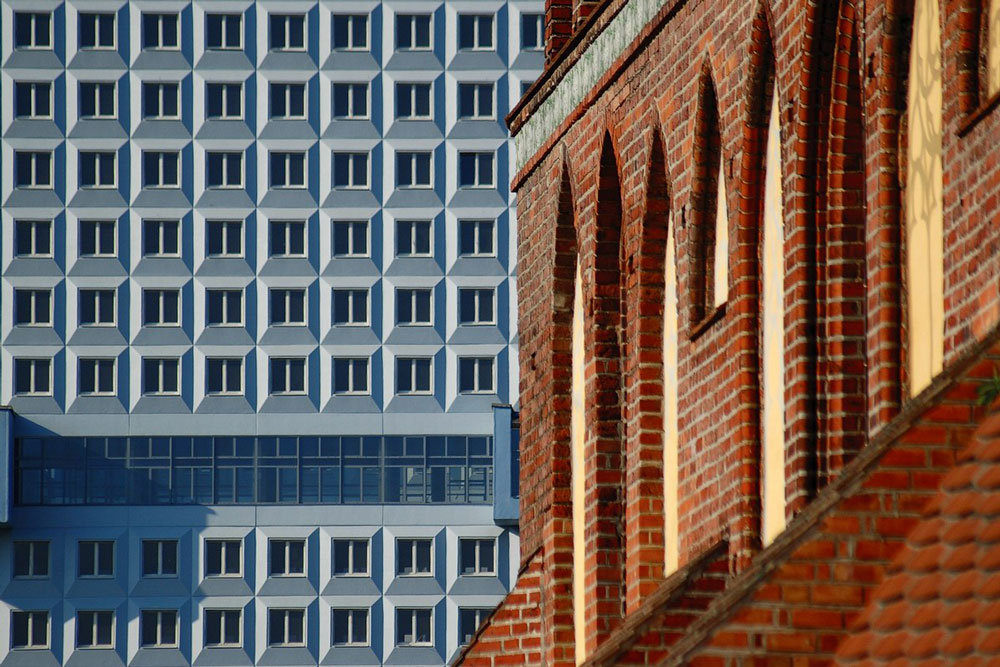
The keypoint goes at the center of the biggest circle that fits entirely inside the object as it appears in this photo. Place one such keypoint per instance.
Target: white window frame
(94, 226)
(99, 86)
(411, 26)
(160, 182)
(34, 182)
(476, 20)
(414, 159)
(352, 236)
(159, 321)
(33, 562)
(477, 362)
(33, 87)
(155, 229)
(352, 176)
(478, 570)
(33, 319)
(285, 615)
(477, 87)
(225, 364)
(539, 20)
(285, 544)
(286, 159)
(226, 157)
(226, 295)
(352, 570)
(160, 615)
(480, 614)
(225, 18)
(478, 236)
(413, 613)
(352, 296)
(226, 252)
(88, 365)
(223, 617)
(161, 364)
(409, 90)
(414, 251)
(98, 295)
(161, 547)
(412, 544)
(20, 226)
(351, 88)
(287, 299)
(95, 545)
(288, 226)
(411, 294)
(34, 45)
(99, 157)
(32, 618)
(284, 89)
(96, 17)
(225, 545)
(284, 366)
(161, 19)
(353, 374)
(476, 184)
(159, 88)
(286, 23)
(351, 617)
(226, 88)
(479, 293)
(34, 363)
(96, 617)
(351, 18)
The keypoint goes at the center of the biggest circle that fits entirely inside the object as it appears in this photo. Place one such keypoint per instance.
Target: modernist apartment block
(258, 273)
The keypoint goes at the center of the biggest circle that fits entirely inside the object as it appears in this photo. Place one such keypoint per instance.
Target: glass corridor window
(350, 32)
(97, 31)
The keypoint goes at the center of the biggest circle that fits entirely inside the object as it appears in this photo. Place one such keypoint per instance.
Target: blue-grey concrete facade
(258, 271)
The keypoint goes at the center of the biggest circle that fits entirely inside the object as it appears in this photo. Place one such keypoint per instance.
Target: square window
(288, 238)
(224, 101)
(224, 376)
(413, 238)
(223, 31)
(413, 306)
(288, 376)
(288, 170)
(476, 238)
(350, 32)
(413, 101)
(350, 627)
(31, 559)
(475, 32)
(475, 101)
(413, 627)
(350, 238)
(97, 100)
(475, 306)
(33, 99)
(33, 169)
(96, 377)
(286, 627)
(161, 238)
(350, 100)
(475, 170)
(350, 170)
(287, 558)
(159, 558)
(158, 628)
(161, 308)
(532, 31)
(224, 307)
(224, 238)
(288, 101)
(97, 558)
(413, 32)
(223, 558)
(160, 101)
(33, 307)
(350, 558)
(413, 557)
(97, 169)
(288, 32)
(33, 377)
(160, 31)
(350, 376)
(223, 628)
(469, 620)
(29, 629)
(97, 31)
(477, 556)
(475, 375)
(224, 170)
(161, 169)
(413, 169)
(97, 307)
(350, 307)
(95, 629)
(160, 377)
(97, 238)
(32, 30)
(33, 238)
(288, 307)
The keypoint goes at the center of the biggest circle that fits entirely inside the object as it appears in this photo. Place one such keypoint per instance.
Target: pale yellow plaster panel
(993, 50)
(721, 240)
(578, 432)
(924, 200)
(670, 474)
(773, 363)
